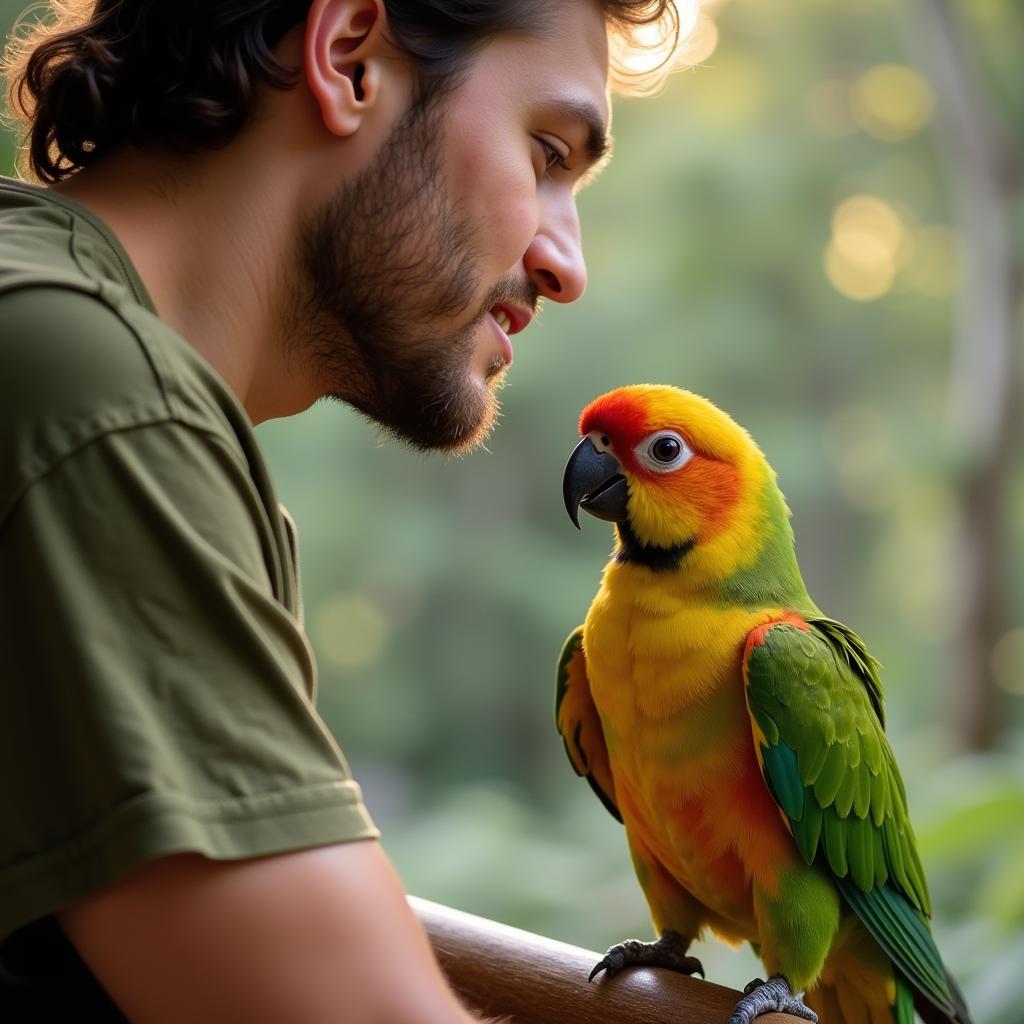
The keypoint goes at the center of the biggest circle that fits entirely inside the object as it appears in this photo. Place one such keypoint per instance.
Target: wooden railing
(502, 971)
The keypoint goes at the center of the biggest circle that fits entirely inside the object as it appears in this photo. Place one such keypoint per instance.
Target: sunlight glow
(701, 42)
(729, 92)
(650, 49)
(689, 12)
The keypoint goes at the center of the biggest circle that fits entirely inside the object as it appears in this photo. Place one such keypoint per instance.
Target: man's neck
(214, 235)
(211, 240)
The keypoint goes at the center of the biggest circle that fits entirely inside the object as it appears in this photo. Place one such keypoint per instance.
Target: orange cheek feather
(709, 488)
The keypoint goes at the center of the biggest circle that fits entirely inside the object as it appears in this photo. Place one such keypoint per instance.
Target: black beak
(594, 482)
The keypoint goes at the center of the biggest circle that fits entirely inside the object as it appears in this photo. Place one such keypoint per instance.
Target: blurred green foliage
(438, 592)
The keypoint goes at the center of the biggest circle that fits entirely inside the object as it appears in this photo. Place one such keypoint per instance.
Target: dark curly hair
(188, 74)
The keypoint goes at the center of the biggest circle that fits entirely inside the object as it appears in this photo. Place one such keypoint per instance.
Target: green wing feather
(816, 699)
(578, 722)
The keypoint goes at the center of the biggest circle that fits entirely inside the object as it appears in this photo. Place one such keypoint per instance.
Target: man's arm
(320, 936)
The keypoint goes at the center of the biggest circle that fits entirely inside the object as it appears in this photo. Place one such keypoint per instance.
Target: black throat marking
(650, 555)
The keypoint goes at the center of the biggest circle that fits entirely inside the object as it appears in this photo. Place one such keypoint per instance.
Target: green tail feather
(903, 1008)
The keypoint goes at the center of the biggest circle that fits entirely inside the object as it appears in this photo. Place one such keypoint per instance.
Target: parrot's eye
(663, 452)
(665, 449)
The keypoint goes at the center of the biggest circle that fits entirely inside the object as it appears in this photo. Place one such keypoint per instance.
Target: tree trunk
(983, 378)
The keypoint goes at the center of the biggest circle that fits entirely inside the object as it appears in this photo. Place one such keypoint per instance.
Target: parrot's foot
(771, 996)
(669, 951)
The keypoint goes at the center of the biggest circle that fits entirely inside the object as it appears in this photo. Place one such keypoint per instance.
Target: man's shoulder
(74, 368)
(72, 303)
(65, 352)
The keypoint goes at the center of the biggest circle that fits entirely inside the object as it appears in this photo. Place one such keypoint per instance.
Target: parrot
(736, 731)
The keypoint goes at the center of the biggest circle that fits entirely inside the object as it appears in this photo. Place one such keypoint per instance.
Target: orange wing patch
(580, 725)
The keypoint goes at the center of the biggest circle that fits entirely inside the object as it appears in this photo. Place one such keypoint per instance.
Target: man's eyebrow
(598, 142)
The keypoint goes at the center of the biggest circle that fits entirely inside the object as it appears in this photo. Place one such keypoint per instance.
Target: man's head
(415, 257)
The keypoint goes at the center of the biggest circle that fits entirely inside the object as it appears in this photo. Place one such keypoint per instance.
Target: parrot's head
(682, 481)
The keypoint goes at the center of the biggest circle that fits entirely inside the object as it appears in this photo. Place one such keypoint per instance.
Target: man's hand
(320, 936)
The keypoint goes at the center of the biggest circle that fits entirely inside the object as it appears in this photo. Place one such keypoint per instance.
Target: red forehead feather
(621, 415)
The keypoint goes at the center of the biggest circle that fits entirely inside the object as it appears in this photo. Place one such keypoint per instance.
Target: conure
(736, 731)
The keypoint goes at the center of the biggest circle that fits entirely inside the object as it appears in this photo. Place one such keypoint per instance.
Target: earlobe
(342, 49)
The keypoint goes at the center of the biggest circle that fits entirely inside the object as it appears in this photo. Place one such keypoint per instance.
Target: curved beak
(594, 482)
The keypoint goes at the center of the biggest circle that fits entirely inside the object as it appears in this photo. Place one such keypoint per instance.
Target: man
(252, 206)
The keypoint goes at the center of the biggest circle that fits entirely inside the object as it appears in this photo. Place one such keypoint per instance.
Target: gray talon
(771, 996)
(607, 964)
(669, 952)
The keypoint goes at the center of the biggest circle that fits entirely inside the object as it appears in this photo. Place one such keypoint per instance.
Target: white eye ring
(663, 452)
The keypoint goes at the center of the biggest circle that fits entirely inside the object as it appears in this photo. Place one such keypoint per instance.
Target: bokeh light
(866, 248)
(892, 102)
(349, 631)
(868, 216)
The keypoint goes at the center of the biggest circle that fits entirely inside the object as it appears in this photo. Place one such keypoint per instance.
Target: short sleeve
(156, 695)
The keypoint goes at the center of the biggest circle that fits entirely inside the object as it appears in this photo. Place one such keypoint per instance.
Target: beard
(386, 266)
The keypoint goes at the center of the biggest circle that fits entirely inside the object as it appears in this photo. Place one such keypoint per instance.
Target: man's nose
(554, 259)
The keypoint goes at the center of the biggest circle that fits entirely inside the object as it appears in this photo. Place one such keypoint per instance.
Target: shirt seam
(165, 419)
(342, 792)
(75, 211)
(166, 384)
(95, 291)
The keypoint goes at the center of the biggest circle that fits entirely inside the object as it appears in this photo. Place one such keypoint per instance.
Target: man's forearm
(313, 937)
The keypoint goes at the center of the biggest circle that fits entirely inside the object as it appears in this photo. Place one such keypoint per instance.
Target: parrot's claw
(669, 951)
(771, 996)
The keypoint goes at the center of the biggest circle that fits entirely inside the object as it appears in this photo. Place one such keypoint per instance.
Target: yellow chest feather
(652, 655)
(665, 675)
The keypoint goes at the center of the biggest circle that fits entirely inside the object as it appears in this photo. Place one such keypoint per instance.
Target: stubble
(386, 267)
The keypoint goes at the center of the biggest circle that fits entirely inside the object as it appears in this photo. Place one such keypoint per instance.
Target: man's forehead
(568, 55)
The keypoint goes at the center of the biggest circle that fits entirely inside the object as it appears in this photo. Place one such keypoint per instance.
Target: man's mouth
(504, 328)
(511, 318)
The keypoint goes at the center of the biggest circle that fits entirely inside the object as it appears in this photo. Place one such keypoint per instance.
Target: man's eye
(552, 157)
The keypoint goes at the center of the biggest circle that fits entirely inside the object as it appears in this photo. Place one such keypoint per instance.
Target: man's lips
(503, 339)
(511, 319)
(508, 320)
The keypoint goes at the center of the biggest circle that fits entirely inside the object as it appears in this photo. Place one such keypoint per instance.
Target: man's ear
(343, 49)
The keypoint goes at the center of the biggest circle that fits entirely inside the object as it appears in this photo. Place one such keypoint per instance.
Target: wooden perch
(503, 971)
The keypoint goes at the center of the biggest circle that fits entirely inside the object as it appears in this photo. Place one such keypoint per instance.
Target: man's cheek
(515, 225)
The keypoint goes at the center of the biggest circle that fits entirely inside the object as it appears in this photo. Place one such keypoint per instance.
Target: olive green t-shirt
(156, 686)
